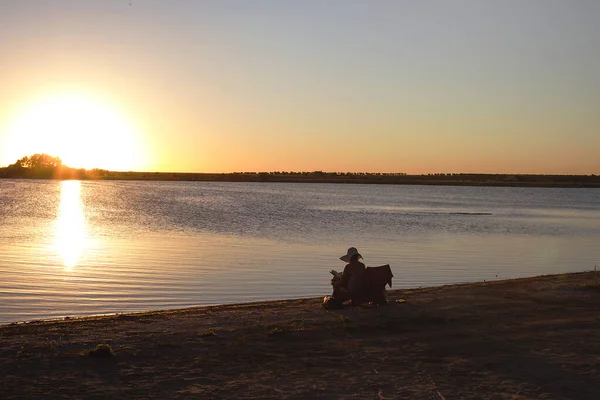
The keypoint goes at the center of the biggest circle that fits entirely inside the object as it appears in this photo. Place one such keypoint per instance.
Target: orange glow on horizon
(84, 131)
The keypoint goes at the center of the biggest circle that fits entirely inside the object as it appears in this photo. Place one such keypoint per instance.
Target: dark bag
(331, 303)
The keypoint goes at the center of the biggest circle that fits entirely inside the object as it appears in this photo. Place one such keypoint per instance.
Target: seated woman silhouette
(351, 285)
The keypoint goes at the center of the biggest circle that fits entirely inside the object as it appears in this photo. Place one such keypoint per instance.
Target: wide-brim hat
(351, 253)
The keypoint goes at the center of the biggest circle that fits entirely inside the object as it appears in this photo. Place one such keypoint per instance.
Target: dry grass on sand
(535, 338)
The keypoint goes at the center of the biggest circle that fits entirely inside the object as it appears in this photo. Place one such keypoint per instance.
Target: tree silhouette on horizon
(38, 161)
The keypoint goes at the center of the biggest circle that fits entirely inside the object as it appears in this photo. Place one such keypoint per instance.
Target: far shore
(455, 179)
(529, 338)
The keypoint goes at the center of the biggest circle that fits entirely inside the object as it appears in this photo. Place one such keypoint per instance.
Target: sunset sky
(340, 85)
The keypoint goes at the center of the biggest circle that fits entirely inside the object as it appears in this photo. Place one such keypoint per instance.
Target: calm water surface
(82, 248)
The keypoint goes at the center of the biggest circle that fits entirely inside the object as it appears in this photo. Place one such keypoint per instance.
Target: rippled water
(81, 248)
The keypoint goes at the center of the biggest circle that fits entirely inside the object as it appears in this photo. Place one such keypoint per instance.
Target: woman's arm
(345, 276)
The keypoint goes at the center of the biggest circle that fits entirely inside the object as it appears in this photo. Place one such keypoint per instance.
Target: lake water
(82, 248)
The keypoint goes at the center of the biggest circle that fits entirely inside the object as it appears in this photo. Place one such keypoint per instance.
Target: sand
(533, 338)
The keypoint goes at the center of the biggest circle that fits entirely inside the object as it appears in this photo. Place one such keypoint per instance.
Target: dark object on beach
(375, 280)
(331, 303)
(372, 290)
(102, 350)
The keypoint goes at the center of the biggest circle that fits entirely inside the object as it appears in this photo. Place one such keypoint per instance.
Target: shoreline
(157, 311)
(522, 338)
(391, 292)
(462, 179)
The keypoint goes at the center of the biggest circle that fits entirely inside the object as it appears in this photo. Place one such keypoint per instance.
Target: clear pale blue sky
(379, 86)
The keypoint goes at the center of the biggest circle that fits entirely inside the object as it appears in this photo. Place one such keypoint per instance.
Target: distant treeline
(42, 166)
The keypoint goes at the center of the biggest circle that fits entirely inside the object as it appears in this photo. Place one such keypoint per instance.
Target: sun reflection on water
(70, 225)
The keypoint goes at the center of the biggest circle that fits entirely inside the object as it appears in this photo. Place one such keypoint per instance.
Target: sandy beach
(533, 338)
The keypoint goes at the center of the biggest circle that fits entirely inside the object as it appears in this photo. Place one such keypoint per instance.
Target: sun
(85, 132)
